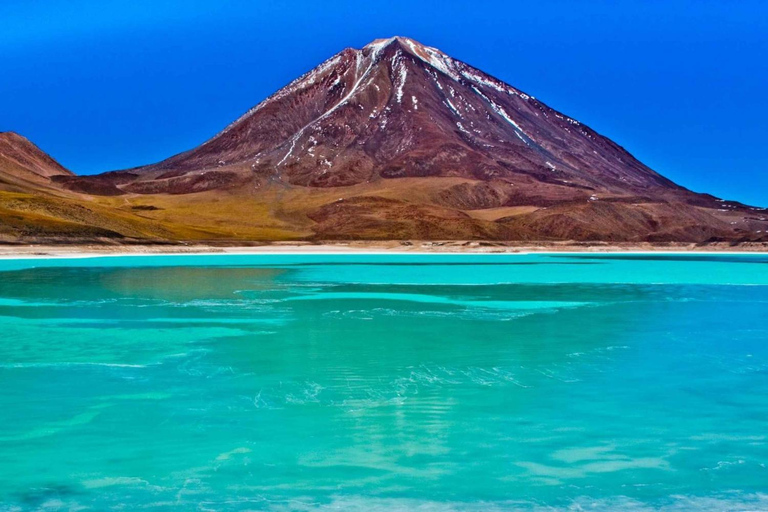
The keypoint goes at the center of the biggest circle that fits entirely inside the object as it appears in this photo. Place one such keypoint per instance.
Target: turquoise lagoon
(385, 382)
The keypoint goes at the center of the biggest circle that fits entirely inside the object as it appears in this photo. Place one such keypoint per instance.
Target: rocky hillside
(22, 164)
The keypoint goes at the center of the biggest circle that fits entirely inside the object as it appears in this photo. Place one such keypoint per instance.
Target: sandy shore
(89, 250)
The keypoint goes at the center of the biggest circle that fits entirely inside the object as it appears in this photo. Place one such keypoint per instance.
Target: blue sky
(107, 84)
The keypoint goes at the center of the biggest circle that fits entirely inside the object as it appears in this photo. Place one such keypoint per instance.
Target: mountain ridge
(398, 140)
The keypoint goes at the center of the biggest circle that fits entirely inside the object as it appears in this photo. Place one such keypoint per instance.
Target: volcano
(398, 140)
(399, 109)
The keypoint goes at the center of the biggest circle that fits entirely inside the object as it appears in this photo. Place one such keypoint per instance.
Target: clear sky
(107, 84)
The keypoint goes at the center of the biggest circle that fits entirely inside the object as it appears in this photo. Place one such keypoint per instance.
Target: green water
(384, 383)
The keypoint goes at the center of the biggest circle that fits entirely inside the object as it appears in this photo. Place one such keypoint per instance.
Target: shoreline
(371, 248)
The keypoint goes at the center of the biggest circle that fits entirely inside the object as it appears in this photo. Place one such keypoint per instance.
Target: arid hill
(23, 165)
(393, 141)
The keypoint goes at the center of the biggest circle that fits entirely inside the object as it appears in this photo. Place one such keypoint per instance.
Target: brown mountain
(24, 165)
(398, 140)
(399, 109)
(35, 208)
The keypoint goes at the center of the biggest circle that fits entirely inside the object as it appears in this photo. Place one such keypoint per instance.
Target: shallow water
(385, 382)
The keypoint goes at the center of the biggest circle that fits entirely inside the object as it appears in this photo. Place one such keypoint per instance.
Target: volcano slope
(400, 141)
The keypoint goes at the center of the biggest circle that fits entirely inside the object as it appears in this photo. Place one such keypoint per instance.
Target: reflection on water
(305, 386)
